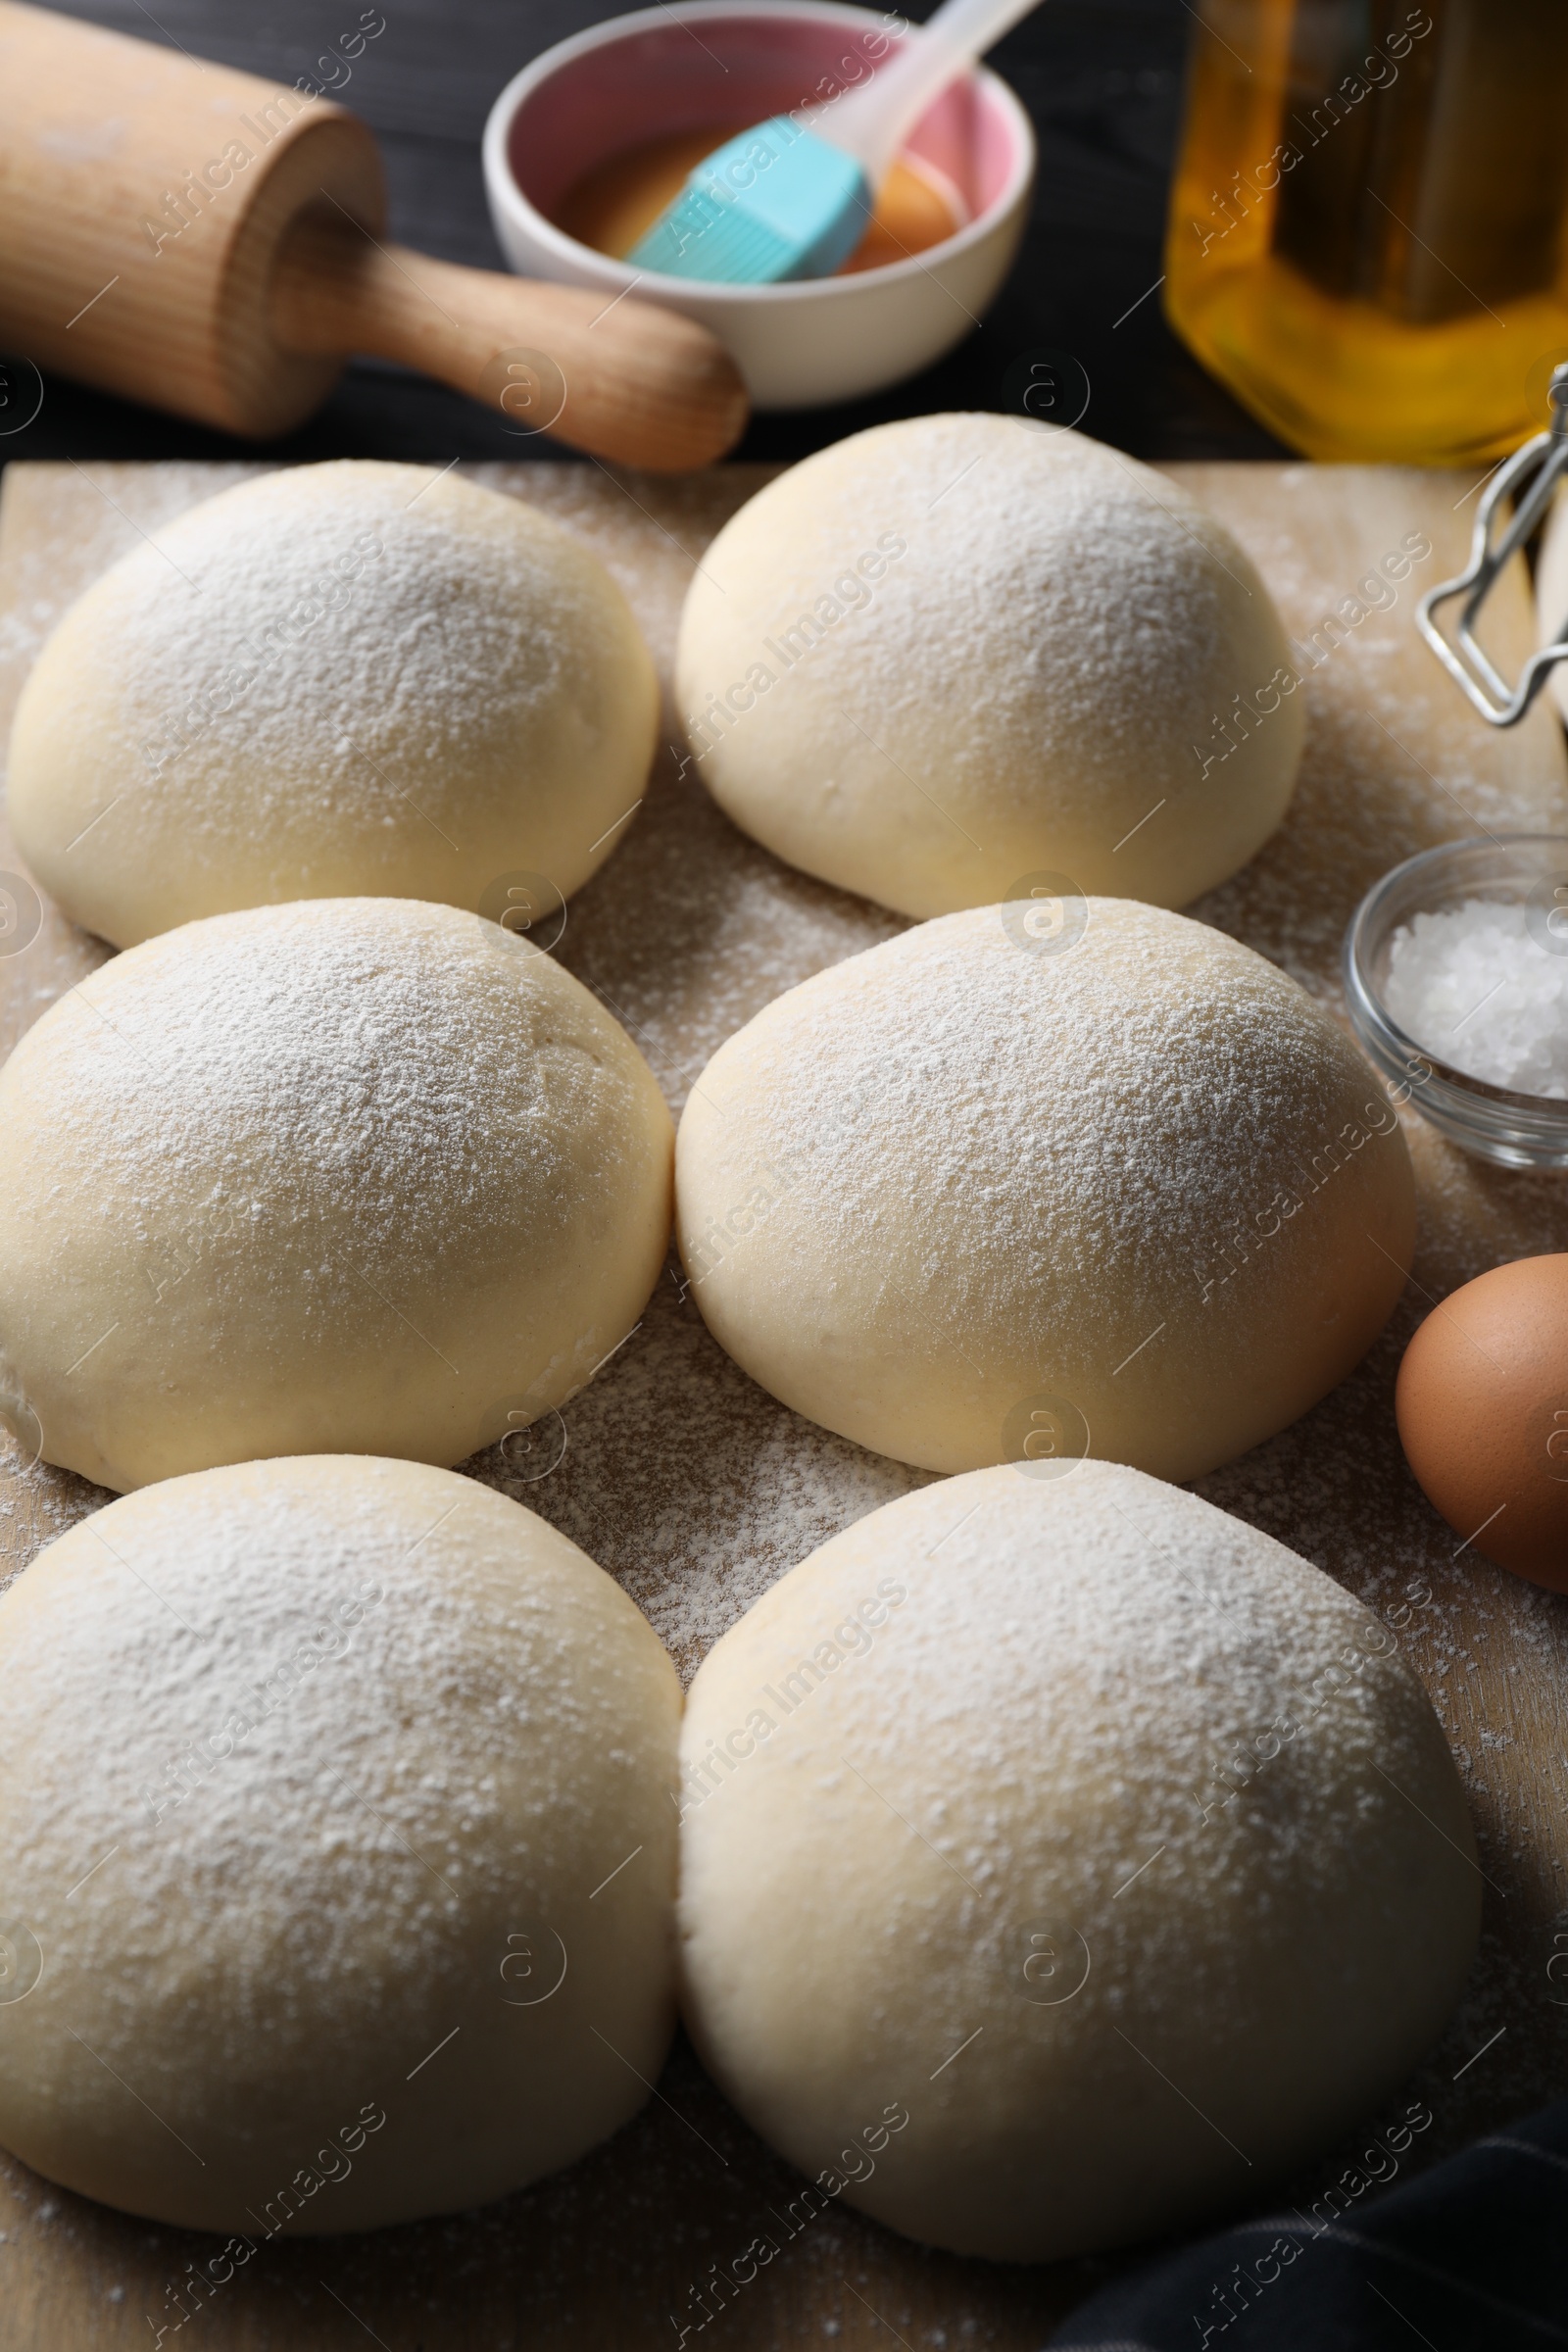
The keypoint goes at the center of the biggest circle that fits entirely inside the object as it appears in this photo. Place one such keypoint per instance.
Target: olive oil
(1366, 233)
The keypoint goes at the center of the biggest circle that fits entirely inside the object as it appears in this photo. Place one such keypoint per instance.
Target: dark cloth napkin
(1470, 2257)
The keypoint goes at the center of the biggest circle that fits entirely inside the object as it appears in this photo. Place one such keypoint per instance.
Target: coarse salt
(1475, 988)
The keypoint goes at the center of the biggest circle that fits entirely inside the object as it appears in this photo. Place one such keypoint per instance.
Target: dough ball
(357, 1176)
(959, 653)
(310, 1774)
(1061, 1860)
(965, 1199)
(339, 680)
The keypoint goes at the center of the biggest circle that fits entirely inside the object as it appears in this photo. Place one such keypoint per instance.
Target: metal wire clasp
(1546, 459)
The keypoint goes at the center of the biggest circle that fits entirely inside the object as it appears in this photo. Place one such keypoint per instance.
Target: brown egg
(1483, 1412)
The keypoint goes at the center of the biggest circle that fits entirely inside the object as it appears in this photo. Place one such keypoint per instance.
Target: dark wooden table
(1101, 78)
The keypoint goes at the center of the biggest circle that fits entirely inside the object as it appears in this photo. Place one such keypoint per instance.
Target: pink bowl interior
(730, 70)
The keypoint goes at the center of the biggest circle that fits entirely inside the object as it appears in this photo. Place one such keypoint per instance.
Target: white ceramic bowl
(799, 346)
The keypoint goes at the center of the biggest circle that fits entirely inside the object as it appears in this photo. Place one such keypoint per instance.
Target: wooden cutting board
(697, 1490)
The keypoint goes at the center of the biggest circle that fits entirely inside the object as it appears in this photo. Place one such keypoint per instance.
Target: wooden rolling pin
(211, 243)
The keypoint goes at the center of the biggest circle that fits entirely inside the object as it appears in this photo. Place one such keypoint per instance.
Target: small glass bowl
(1517, 1131)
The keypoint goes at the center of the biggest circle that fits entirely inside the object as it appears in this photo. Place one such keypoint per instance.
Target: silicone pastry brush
(792, 197)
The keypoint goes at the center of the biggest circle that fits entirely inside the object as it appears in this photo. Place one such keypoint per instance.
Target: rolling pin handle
(627, 380)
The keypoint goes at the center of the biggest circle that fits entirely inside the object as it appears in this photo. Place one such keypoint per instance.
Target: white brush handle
(871, 123)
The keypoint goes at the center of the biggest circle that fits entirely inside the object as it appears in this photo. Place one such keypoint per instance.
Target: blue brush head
(775, 203)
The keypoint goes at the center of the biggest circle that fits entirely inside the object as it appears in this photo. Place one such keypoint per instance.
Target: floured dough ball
(1061, 1860)
(318, 1937)
(980, 1195)
(340, 680)
(956, 655)
(357, 1176)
